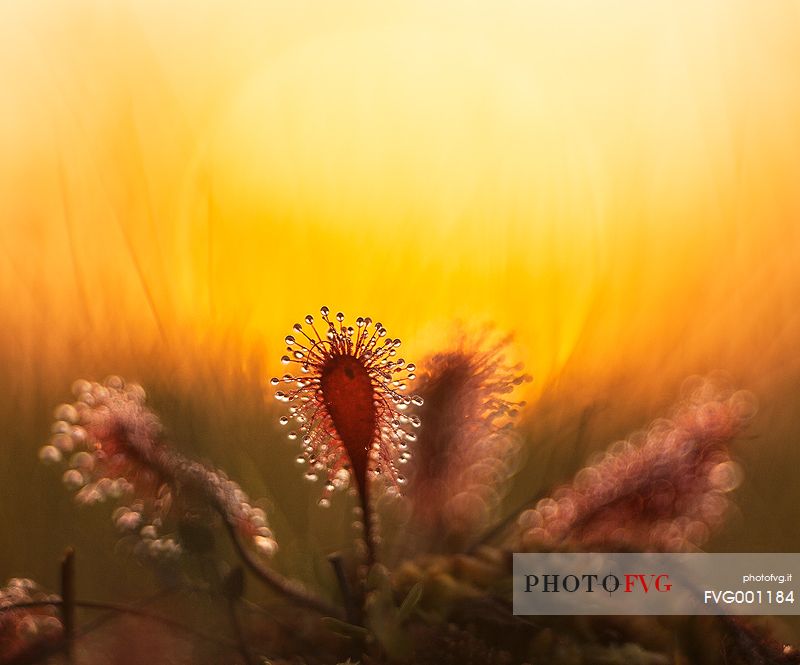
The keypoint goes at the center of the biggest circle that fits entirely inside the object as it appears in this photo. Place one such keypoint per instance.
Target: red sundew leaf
(348, 402)
(346, 387)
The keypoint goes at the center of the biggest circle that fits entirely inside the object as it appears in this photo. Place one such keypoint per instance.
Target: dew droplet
(266, 546)
(63, 442)
(128, 520)
(67, 413)
(81, 386)
(28, 628)
(50, 455)
(78, 435)
(60, 427)
(115, 382)
(148, 532)
(82, 460)
(73, 479)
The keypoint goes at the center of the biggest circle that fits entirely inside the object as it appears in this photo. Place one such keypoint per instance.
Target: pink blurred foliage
(116, 448)
(467, 449)
(663, 489)
(27, 632)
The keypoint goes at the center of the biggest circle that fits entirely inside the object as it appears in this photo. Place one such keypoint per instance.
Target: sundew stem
(68, 603)
(292, 590)
(369, 523)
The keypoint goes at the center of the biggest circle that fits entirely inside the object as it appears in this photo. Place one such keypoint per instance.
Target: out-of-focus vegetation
(616, 187)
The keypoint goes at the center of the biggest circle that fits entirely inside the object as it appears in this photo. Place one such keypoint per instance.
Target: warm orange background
(618, 178)
(617, 183)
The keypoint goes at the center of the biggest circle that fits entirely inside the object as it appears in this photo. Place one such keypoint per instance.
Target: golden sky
(614, 182)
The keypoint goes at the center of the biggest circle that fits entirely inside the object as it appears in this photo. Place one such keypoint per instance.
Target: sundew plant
(428, 464)
(581, 219)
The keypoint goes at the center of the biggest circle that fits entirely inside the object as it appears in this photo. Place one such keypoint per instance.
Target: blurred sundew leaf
(344, 628)
(410, 602)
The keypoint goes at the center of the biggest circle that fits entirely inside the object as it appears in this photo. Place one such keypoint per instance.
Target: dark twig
(232, 589)
(238, 633)
(351, 606)
(68, 603)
